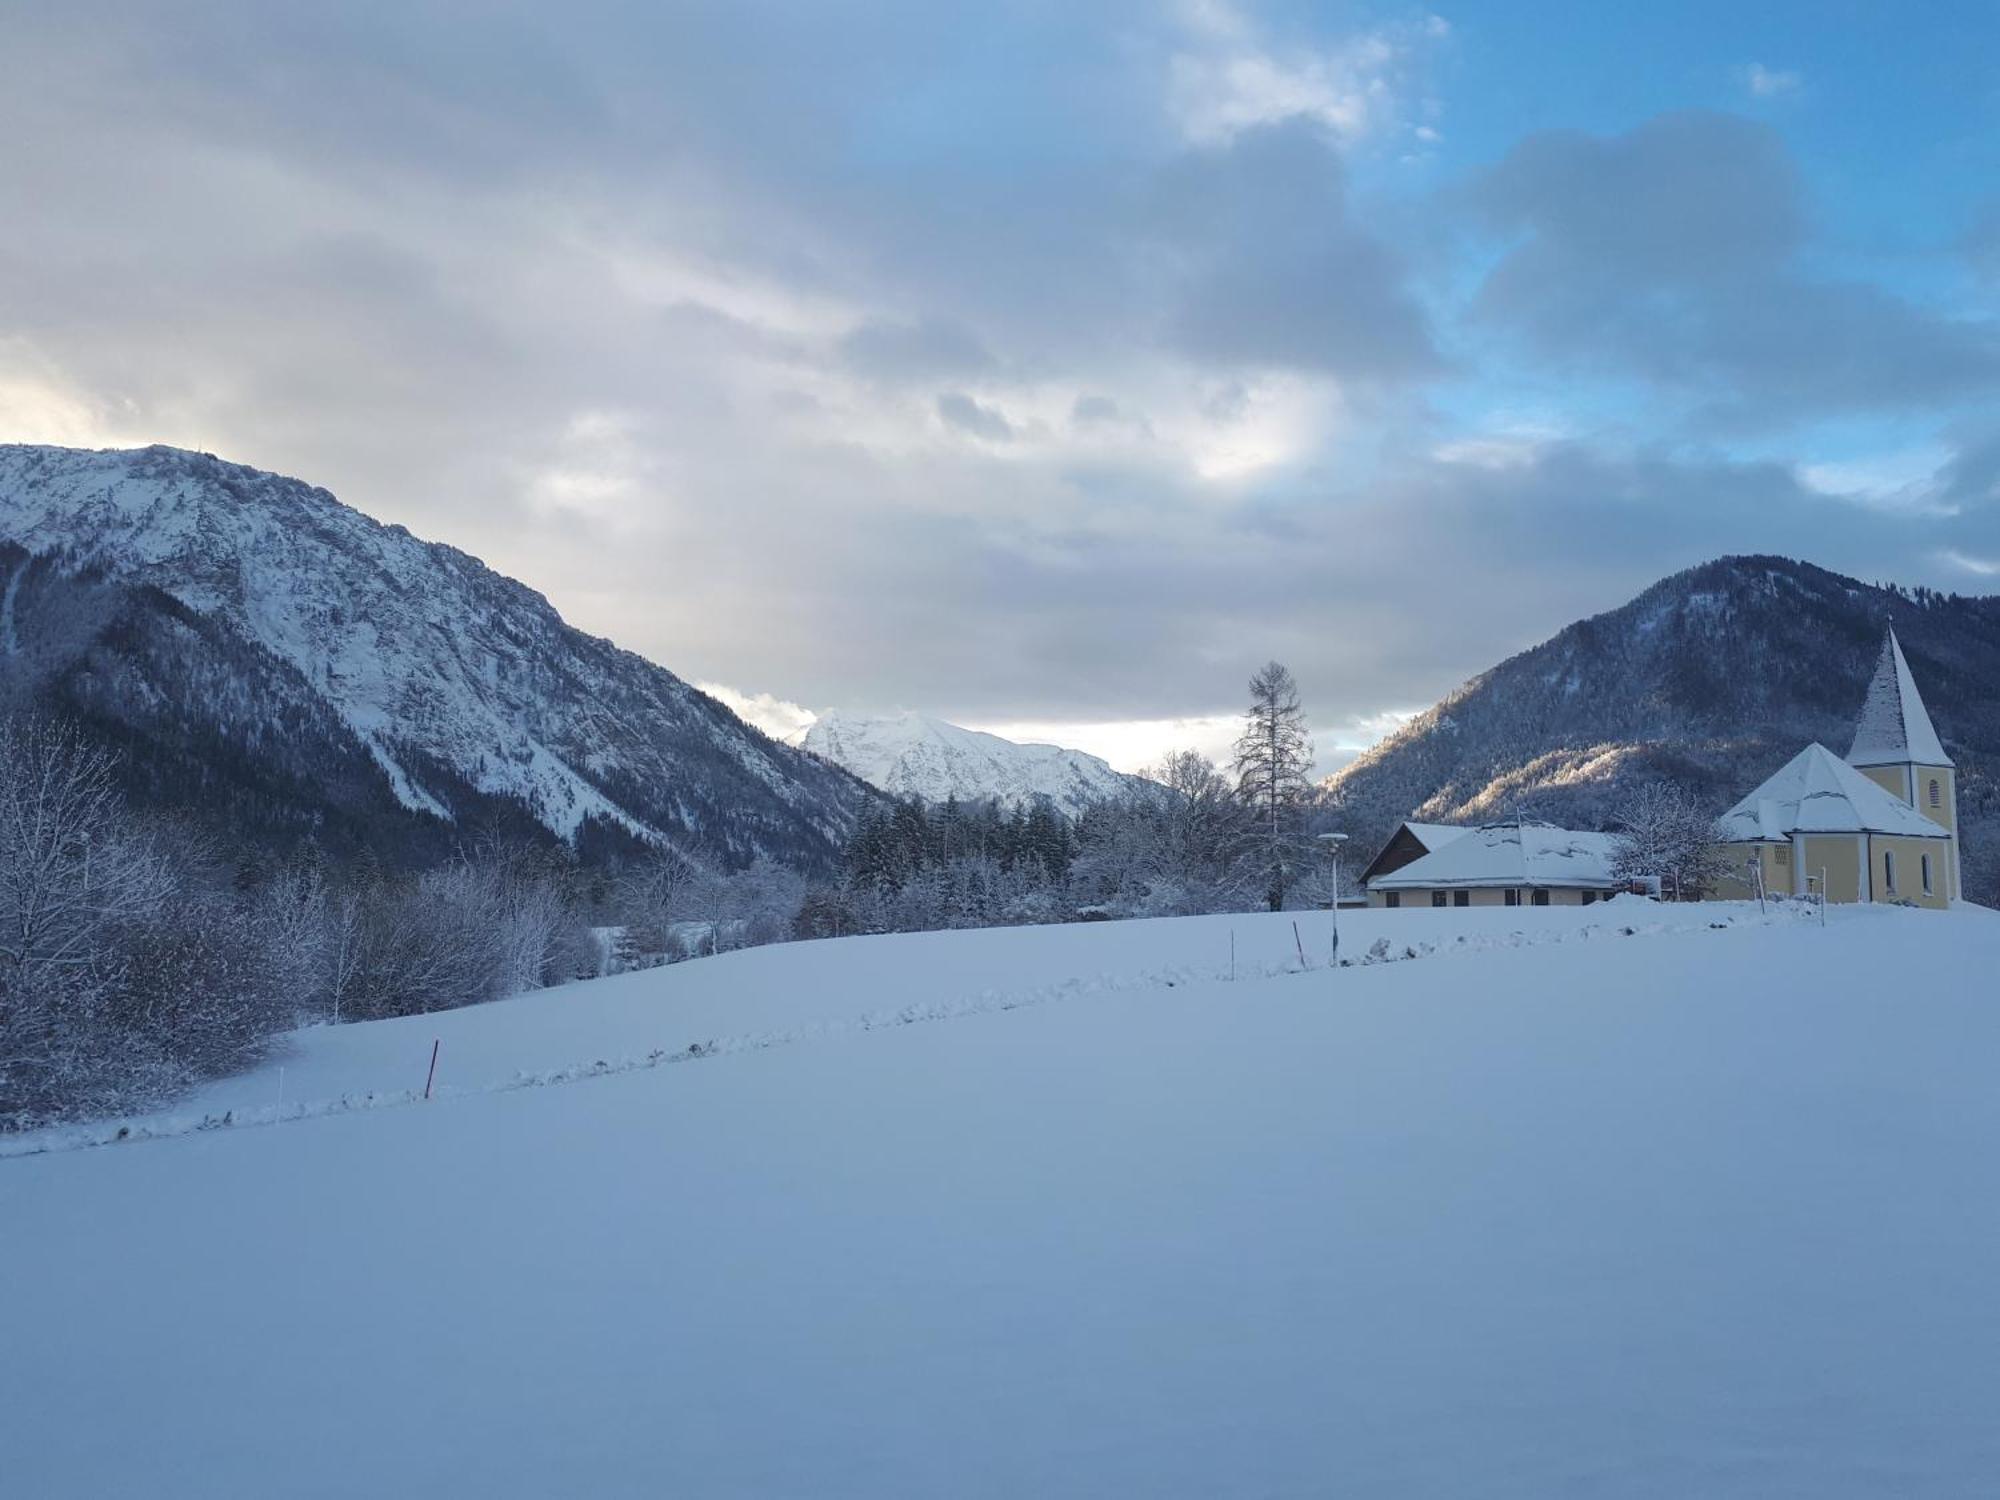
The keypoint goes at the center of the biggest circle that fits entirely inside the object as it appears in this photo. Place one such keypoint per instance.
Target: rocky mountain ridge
(192, 607)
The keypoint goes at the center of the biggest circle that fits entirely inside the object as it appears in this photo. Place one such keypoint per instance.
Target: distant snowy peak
(915, 755)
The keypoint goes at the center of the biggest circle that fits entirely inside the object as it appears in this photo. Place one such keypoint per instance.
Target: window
(1437, 898)
(1395, 898)
(1937, 795)
(1889, 871)
(1541, 898)
(1589, 897)
(1513, 898)
(1927, 868)
(1784, 854)
(1461, 898)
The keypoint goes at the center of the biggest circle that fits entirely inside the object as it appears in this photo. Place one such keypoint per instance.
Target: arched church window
(1927, 875)
(1889, 871)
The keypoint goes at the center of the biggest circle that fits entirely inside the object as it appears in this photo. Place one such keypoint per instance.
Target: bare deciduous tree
(1272, 755)
(1666, 835)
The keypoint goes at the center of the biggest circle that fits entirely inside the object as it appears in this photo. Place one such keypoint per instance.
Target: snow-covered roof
(1509, 854)
(1434, 836)
(1895, 727)
(1818, 792)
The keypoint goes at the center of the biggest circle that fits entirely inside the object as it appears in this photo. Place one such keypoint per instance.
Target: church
(1881, 825)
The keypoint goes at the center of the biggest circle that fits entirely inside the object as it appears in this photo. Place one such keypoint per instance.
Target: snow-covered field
(1556, 1210)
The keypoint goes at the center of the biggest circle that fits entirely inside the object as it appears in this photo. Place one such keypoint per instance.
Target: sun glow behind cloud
(1203, 373)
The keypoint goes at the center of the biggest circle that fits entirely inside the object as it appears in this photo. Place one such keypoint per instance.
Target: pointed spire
(1895, 728)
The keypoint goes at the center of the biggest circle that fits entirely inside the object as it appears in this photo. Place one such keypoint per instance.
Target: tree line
(139, 956)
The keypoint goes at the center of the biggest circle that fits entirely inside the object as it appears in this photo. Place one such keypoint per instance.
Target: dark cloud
(967, 415)
(1091, 410)
(1383, 595)
(1274, 272)
(1981, 242)
(1672, 253)
(922, 349)
(1970, 482)
(678, 313)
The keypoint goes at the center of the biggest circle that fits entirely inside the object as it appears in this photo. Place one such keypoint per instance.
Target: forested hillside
(1712, 678)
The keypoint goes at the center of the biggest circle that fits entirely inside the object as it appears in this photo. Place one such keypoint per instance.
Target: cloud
(962, 412)
(917, 349)
(1771, 83)
(777, 717)
(1977, 567)
(1672, 254)
(847, 363)
(1231, 79)
(1273, 270)
(1092, 408)
(1981, 242)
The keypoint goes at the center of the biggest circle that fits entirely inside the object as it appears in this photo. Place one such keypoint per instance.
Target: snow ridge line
(985, 1002)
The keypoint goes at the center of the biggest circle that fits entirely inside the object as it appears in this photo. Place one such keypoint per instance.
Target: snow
(915, 755)
(1554, 1211)
(1895, 726)
(1817, 792)
(1510, 854)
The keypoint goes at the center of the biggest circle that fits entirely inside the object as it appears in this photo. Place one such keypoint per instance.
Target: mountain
(1714, 678)
(281, 665)
(914, 755)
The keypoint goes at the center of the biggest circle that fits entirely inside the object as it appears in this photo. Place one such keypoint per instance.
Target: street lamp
(1333, 841)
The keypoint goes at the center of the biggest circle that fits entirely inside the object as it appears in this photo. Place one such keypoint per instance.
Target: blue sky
(1040, 365)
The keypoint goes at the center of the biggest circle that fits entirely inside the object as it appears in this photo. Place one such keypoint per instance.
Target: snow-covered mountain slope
(914, 755)
(1065, 1212)
(463, 687)
(1714, 678)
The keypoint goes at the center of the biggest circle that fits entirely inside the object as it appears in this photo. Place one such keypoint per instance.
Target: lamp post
(1333, 841)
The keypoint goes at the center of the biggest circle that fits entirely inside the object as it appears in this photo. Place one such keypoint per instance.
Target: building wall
(1840, 855)
(1420, 900)
(1912, 784)
(1740, 884)
(1892, 779)
(1909, 853)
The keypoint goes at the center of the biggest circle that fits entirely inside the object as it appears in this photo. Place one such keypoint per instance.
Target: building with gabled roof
(1503, 864)
(1881, 825)
(1410, 842)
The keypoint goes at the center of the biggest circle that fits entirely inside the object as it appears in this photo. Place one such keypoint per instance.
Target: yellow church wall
(1889, 778)
(1892, 780)
(1909, 853)
(1946, 813)
(1739, 884)
(1839, 854)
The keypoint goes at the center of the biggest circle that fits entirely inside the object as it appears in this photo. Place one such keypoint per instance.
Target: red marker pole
(432, 1078)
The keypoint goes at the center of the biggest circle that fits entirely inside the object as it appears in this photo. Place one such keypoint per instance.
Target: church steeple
(1897, 747)
(1895, 728)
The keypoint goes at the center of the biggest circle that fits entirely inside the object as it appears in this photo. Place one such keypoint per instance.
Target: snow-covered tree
(1666, 834)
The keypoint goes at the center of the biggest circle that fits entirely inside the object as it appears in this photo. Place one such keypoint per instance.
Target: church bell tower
(1896, 747)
